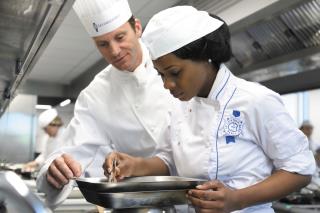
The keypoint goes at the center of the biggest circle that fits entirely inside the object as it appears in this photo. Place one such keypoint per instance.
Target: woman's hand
(124, 165)
(213, 197)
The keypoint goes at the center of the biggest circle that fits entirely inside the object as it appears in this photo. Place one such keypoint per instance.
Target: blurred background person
(52, 125)
(41, 140)
(307, 128)
(314, 186)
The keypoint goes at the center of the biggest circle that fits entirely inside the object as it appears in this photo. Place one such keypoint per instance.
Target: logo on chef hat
(95, 26)
(233, 124)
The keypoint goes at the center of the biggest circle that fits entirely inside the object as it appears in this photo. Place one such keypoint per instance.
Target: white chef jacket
(238, 135)
(120, 110)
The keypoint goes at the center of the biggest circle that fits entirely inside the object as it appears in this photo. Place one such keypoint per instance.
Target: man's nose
(115, 49)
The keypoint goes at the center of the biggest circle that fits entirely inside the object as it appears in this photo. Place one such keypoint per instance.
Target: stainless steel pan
(133, 184)
(137, 192)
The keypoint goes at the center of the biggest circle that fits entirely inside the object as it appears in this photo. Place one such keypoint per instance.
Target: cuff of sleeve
(302, 163)
(166, 160)
(54, 197)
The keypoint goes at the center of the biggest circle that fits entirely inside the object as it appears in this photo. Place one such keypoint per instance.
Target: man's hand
(62, 169)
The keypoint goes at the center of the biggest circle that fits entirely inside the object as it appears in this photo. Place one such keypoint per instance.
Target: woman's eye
(175, 72)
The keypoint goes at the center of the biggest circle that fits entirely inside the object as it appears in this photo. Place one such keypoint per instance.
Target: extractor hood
(278, 43)
(26, 27)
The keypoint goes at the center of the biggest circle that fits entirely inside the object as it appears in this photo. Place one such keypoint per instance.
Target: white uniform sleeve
(164, 150)
(84, 127)
(87, 140)
(279, 137)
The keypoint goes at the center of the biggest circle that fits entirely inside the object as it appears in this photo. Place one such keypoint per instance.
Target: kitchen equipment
(15, 196)
(137, 192)
(17, 168)
(145, 210)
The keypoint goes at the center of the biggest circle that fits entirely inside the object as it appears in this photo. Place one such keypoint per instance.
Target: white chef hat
(102, 16)
(176, 27)
(46, 117)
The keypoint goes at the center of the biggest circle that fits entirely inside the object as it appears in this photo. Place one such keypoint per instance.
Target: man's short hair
(132, 22)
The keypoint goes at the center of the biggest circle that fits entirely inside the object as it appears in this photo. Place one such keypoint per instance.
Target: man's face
(121, 47)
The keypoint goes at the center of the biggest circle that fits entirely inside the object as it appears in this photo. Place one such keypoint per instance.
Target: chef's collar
(218, 87)
(219, 84)
(140, 74)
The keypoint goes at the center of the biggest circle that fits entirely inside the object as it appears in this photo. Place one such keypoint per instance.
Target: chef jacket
(121, 111)
(239, 134)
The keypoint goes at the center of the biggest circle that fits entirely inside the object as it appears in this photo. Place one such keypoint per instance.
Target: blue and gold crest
(233, 126)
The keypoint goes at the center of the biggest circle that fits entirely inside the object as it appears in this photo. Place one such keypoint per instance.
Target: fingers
(52, 180)
(124, 165)
(55, 176)
(61, 170)
(214, 185)
(205, 201)
(207, 195)
(107, 165)
(73, 165)
(118, 175)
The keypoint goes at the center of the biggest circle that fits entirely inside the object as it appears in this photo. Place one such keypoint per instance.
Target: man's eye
(120, 37)
(102, 44)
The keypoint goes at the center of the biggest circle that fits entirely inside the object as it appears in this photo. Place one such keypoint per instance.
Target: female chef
(52, 125)
(235, 133)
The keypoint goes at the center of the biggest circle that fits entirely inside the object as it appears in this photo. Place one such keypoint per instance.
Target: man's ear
(138, 27)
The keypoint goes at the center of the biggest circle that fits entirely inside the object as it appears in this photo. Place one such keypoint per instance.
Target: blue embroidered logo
(233, 126)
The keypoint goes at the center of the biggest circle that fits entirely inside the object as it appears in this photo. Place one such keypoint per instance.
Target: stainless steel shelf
(26, 27)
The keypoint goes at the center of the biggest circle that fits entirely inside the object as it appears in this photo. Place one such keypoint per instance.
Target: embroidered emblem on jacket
(233, 126)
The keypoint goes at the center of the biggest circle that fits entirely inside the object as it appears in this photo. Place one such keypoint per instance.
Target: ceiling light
(65, 102)
(39, 106)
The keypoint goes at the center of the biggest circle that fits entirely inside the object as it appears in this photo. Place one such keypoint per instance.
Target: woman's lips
(177, 95)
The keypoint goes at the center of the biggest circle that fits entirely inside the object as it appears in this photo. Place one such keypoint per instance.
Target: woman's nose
(169, 84)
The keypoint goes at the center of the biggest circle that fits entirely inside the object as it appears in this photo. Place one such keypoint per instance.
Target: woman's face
(185, 78)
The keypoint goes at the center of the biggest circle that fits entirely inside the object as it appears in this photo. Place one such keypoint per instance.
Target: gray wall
(17, 129)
